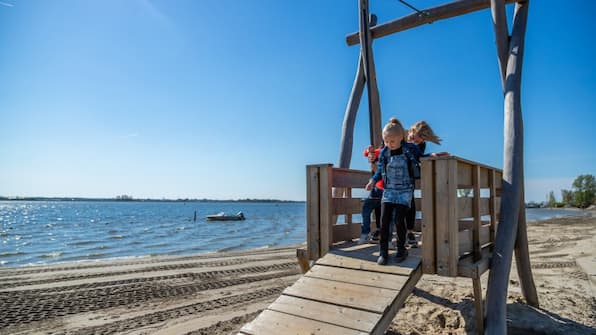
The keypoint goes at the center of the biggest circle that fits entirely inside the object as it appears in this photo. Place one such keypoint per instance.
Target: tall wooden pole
(498, 279)
(370, 75)
(522, 255)
(347, 130)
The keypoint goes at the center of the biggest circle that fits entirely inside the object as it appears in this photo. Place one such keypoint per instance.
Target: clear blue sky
(231, 99)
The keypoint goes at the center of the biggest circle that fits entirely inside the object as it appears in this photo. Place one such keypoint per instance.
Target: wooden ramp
(345, 292)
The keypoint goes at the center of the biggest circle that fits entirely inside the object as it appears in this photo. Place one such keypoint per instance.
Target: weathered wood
(302, 257)
(398, 302)
(470, 269)
(347, 129)
(522, 259)
(367, 298)
(332, 314)
(346, 232)
(478, 304)
(501, 35)
(465, 207)
(364, 257)
(468, 244)
(350, 178)
(428, 216)
(433, 14)
(370, 76)
(275, 323)
(512, 180)
(477, 212)
(446, 208)
(359, 277)
(313, 213)
(325, 213)
(492, 201)
(522, 255)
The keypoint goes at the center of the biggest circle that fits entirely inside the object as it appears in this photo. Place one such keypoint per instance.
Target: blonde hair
(393, 128)
(422, 129)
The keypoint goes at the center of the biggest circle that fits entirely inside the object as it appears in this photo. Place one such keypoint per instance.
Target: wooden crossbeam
(433, 14)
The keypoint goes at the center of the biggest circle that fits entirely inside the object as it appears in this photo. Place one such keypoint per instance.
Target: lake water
(40, 232)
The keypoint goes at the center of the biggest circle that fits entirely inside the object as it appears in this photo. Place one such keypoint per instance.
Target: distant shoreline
(142, 200)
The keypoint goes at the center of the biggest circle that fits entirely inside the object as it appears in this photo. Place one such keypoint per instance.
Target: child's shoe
(363, 239)
(412, 240)
(375, 236)
(401, 255)
(382, 260)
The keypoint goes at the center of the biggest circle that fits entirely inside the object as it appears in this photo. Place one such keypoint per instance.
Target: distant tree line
(581, 195)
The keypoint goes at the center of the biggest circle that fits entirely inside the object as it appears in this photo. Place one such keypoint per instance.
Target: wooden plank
(428, 224)
(349, 215)
(467, 224)
(478, 304)
(466, 239)
(452, 218)
(484, 175)
(332, 314)
(347, 206)
(493, 206)
(465, 207)
(325, 213)
(312, 212)
(367, 298)
(398, 302)
(433, 14)
(350, 178)
(276, 323)
(470, 269)
(464, 174)
(476, 212)
(364, 257)
(346, 232)
(360, 277)
(446, 216)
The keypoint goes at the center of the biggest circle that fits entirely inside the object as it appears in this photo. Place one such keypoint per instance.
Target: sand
(218, 293)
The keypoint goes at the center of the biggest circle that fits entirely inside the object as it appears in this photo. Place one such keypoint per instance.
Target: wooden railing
(458, 199)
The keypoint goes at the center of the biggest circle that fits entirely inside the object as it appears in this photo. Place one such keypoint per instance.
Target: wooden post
(512, 181)
(374, 107)
(478, 304)
(312, 212)
(325, 206)
(476, 213)
(347, 129)
(522, 259)
(522, 255)
(427, 182)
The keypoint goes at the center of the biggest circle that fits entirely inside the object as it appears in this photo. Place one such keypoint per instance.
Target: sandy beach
(218, 293)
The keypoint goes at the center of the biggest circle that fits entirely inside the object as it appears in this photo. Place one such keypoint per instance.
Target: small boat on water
(226, 217)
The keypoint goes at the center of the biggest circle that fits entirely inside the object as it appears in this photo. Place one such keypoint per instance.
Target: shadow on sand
(521, 318)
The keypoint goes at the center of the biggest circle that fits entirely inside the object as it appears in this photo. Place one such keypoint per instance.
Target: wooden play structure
(471, 215)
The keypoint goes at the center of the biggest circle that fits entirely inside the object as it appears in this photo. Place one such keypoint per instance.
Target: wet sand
(218, 293)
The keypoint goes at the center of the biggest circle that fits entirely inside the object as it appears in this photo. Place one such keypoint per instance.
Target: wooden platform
(345, 292)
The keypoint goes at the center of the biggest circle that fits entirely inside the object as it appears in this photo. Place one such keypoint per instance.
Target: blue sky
(231, 99)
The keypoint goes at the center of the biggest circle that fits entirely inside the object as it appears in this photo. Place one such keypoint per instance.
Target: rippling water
(34, 232)
(57, 231)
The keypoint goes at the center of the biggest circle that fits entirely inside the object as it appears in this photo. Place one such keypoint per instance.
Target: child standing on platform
(373, 202)
(418, 134)
(395, 168)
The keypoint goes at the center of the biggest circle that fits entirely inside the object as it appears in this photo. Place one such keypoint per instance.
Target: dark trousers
(370, 205)
(411, 215)
(392, 214)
